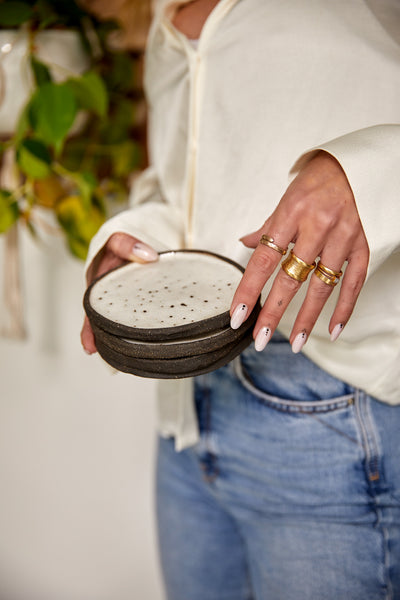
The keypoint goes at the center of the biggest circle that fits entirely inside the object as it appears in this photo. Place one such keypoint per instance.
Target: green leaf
(52, 112)
(120, 72)
(90, 93)
(78, 248)
(23, 125)
(34, 159)
(45, 14)
(40, 71)
(126, 157)
(9, 212)
(13, 14)
(79, 223)
(117, 127)
(86, 183)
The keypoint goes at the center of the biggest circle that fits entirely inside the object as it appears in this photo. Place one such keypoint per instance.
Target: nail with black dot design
(336, 331)
(262, 338)
(239, 316)
(299, 342)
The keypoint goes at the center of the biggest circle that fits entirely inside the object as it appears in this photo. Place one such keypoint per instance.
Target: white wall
(77, 445)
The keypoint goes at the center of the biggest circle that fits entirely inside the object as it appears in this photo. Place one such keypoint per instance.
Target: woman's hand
(120, 248)
(319, 215)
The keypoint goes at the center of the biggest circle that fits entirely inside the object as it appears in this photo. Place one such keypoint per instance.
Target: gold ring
(296, 268)
(330, 272)
(327, 275)
(269, 241)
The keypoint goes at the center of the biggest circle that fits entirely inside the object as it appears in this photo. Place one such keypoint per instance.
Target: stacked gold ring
(296, 268)
(328, 276)
(269, 241)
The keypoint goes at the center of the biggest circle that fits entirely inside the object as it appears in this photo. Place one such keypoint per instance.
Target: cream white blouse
(229, 124)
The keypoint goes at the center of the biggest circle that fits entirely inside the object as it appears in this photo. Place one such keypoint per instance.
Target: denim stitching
(290, 406)
(369, 441)
(370, 445)
(335, 429)
(386, 549)
(206, 446)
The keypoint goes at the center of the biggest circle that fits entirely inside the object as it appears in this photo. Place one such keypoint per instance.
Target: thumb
(127, 247)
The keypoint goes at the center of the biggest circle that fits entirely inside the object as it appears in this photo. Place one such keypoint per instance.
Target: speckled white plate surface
(186, 292)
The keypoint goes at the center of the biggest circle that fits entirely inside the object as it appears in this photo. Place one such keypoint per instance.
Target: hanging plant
(77, 140)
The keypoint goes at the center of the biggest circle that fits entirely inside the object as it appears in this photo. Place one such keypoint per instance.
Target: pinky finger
(352, 283)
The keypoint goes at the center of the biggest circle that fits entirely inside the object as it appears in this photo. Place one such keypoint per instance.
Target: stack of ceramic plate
(170, 318)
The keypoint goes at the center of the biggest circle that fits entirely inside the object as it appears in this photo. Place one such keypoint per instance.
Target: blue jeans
(292, 493)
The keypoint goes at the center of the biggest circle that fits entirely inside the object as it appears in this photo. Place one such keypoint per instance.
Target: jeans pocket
(291, 383)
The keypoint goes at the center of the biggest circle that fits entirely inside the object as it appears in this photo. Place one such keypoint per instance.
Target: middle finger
(284, 288)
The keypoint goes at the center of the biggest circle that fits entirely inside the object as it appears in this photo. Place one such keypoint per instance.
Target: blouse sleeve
(370, 158)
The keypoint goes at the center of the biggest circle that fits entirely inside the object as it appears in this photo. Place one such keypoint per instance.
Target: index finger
(261, 266)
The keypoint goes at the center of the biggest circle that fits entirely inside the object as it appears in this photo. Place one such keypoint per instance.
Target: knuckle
(288, 284)
(324, 221)
(262, 261)
(320, 290)
(115, 241)
(349, 232)
(119, 239)
(359, 264)
(296, 204)
(354, 286)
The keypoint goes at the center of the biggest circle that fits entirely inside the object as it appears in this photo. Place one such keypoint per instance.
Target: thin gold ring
(328, 271)
(297, 268)
(328, 280)
(324, 274)
(269, 241)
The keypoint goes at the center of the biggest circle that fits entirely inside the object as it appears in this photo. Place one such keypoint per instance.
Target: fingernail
(336, 331)
(299, 342)
(239, 316)
(262, 338)
(144, 252)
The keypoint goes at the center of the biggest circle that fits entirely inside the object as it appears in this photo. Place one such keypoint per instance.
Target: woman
(281, 478)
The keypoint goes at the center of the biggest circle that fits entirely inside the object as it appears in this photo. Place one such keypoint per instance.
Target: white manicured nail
(239, 316)
(299, 342)
(336, 331)
(262, 338)
(144, 252)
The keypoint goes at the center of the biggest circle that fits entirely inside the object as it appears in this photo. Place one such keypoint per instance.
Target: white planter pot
(60, 50)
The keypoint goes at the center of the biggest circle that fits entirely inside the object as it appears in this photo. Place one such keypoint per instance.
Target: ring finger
(324, 279)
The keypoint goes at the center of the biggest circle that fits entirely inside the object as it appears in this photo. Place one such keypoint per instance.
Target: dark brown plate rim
(175, 348)
(173, 368)
(158, 334)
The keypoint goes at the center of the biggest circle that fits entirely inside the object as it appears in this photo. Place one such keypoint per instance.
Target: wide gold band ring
(296, 268)
(269, 241)
(328, 276)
